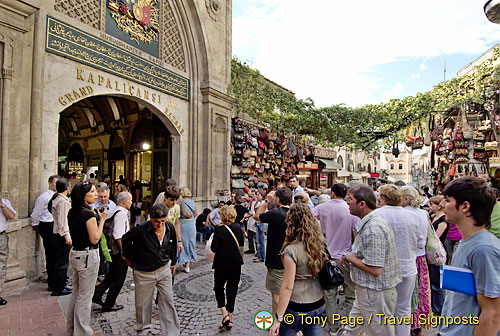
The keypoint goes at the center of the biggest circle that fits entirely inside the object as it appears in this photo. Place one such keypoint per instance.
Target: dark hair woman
(303, 257)
(85, 228)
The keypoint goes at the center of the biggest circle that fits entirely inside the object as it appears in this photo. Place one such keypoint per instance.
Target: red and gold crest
(138, 18)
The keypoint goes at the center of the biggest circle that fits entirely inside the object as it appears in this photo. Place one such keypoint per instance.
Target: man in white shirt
(296, 188)
(115, 227)
(7, 213)
(214, 217)
(42, 220)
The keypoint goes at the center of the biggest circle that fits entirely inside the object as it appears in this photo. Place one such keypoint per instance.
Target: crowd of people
(379, 239)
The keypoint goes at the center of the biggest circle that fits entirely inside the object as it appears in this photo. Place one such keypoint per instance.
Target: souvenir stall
(463, 143)
(261, 157)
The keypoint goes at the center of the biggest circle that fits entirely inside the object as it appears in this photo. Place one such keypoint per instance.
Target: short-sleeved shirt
(214, 215)
(4, 224)
(423, 228)
(436, 225)
(120, 222)
(375, 245)
(199, 221)
(306, 288)
(495, 220)
(174, 213)
(275, 235)
(480, 254)
(77, 222)
(337, 224)
(240, 212)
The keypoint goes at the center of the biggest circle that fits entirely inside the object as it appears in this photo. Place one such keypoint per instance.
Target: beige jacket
(60, 209)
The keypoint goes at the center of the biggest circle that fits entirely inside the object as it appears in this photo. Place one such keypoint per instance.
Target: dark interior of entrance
(115, 136)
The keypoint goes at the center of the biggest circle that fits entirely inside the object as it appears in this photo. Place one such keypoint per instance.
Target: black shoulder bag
(330, 275)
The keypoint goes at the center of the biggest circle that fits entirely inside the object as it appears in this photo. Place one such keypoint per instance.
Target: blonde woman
(188, 231)
(411, 201)
(303, 257)
(227, 240)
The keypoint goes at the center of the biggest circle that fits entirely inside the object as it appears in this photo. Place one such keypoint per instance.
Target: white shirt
(111, 207)
(214, 215)
(40, 212)
(121, 222)
(300, 189)
(4, 223)
(251, 223)
(423, 228)
(405, 225)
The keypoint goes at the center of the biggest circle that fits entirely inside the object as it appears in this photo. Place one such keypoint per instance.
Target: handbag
(330, 275)
(240, 248)
(208, 251)
(434, 250)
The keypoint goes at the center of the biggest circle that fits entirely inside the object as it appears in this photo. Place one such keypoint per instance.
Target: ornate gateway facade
(126, 87)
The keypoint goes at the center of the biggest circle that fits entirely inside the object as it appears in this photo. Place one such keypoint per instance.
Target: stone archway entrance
(117, 136)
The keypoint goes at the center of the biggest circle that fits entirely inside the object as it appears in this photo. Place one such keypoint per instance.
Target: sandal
(225, 323)
(229, 325)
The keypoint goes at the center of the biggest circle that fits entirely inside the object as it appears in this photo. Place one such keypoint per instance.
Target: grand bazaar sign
(73, 43)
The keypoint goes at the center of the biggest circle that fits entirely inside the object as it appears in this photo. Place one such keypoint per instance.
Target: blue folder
(458, 280)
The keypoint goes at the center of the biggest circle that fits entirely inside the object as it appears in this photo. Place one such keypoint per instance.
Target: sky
(360, 52)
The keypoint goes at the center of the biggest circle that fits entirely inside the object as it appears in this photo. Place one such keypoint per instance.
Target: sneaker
(249, 252)
(65, 291)
(257, 260)
(187, 270)
(111, 309)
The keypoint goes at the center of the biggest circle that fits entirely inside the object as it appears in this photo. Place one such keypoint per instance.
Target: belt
(84, 248)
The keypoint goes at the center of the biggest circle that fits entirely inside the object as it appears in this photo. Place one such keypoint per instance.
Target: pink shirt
(453, 233)
(337, 224)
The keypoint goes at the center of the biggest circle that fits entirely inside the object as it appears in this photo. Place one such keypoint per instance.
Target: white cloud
(423, 66)
(329, 49)
(394, 92)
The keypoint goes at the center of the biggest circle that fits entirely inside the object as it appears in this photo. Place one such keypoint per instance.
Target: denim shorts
(310, 323)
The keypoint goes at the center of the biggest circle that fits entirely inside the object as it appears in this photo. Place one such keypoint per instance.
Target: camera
(101, 209)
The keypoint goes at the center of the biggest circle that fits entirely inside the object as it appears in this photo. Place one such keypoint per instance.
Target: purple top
(337, 224)
(453, 233)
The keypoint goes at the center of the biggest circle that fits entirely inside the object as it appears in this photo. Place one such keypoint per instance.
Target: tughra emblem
(137, 18)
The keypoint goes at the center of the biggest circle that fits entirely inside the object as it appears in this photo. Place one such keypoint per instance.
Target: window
(340, 161)
(400, 166)
(392, 166)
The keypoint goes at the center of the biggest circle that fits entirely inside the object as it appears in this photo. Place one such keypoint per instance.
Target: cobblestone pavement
(195, 302)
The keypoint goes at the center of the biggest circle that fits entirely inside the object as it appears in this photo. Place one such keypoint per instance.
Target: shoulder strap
(232, 234)
(112, 218)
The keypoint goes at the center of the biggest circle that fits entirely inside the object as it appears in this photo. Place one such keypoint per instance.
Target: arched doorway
(116, 136)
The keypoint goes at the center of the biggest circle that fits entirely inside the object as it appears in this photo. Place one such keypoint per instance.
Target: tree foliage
(362, 127)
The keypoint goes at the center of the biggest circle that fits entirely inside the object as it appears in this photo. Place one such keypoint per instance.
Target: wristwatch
(279, 318)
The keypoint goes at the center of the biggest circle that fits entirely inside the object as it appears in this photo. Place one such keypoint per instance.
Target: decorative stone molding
(171, 47)
(220, 125)
(86, 11)
(213, 9)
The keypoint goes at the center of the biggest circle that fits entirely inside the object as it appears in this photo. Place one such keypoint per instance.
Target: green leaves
(364, 127)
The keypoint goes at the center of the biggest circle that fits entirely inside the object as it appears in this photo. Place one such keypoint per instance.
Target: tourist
(441, 226)
(203, 225)
(115, 277)
(276, 228)
(405, 225)
(59, 206)
(188, 231)
(374, 265)
(42, 220)
(226, 243)
(151, 250)
(7, 213)
(85, 228)
(411, 201)
(301, 295)
(337, 224)
(468, 203)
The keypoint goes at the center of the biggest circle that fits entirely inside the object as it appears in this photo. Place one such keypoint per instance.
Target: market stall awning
(343, 173)
(365, 175)
(355, 176)
(330, 166)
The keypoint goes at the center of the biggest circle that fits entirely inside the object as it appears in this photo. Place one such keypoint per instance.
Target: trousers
(113, 281)
(261, 243)
(61, 263)
(370, 302)
(331, 298)
(228, 277)
(145, 283)
(403, 304)
(85, 265)
(46, 230)
(4, 253)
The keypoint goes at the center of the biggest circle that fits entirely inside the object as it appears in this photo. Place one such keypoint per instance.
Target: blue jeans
(206, 230)
(310, 323)
(261, 244)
